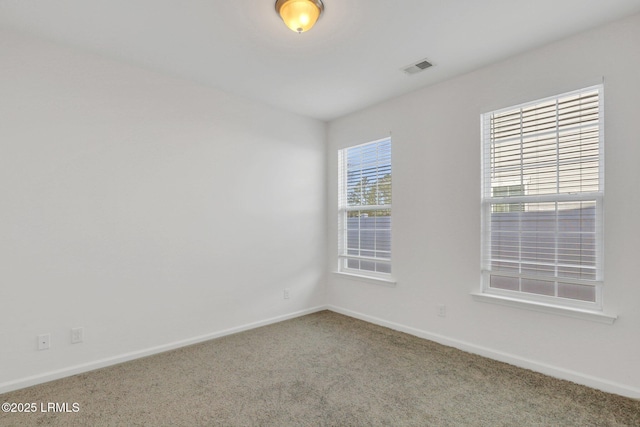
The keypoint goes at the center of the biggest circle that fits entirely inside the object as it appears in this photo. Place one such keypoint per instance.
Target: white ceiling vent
(417, 67)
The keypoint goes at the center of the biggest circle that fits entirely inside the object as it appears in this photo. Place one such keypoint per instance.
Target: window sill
(577, 313)
(369, 279)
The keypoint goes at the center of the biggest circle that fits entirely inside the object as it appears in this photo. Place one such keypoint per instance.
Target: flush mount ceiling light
(299, 15)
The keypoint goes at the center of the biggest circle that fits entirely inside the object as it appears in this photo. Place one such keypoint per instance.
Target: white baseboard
(101, 363)
(565, 374)
(552, 371)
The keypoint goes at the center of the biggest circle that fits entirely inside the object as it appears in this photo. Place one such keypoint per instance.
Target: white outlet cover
(44, 341)
(77, 335)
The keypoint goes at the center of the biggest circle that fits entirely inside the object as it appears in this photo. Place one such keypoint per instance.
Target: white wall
(436, 212)
(151, 211)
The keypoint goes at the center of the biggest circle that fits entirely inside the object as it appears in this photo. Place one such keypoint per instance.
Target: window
(542, 200)
(365, 209)
(504, 191)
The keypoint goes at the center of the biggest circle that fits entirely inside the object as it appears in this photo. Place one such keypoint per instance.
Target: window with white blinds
(365, 208)
(542, 200)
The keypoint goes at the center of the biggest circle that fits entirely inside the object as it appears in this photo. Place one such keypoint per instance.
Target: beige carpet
(323, 369)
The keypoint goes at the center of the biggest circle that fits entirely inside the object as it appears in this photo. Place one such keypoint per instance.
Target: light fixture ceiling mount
(299, 15)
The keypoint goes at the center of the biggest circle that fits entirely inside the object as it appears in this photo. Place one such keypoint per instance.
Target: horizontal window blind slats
(542, 192)
(365, 207)
(500, 137)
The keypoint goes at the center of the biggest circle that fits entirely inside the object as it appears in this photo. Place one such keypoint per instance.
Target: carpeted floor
(323, 369)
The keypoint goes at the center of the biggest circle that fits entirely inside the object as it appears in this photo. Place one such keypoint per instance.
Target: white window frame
(344, 209)
(597, 196)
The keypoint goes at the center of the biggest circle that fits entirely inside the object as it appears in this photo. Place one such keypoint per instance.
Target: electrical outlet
(44, 341)
(77, 335)
(285, 294)
(442, 310)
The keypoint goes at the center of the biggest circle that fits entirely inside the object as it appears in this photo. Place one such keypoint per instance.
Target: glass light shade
(299, 15)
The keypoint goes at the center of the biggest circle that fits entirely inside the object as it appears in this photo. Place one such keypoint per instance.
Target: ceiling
(351, 59)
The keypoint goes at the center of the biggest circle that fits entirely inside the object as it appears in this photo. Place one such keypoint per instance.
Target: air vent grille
(417, 67)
